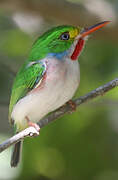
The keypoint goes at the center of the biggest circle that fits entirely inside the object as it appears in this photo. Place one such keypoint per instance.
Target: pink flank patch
(78, 49)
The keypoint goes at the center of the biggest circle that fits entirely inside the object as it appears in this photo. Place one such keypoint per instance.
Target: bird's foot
(72, 104)
(36, 126)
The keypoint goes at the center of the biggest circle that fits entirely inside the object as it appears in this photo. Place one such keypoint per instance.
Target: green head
(62, 40)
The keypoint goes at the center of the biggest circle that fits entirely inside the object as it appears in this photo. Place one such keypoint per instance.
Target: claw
(33, 132)
(34, 125)
(72, 104)
(31, 124)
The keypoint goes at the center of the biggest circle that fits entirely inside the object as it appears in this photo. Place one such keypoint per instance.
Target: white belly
(60, 85)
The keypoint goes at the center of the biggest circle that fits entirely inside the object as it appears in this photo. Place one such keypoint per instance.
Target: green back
(26, 79)
(28, 76)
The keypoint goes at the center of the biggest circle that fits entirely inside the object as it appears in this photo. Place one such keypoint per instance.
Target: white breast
(60, 85)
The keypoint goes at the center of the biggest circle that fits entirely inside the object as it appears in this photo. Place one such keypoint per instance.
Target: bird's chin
(77, 48)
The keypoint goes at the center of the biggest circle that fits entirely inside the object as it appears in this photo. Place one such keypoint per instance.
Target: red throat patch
(78, 48)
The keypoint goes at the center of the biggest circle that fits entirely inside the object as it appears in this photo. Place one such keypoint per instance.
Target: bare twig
(67, 108)
(30, 131)
(58, 113)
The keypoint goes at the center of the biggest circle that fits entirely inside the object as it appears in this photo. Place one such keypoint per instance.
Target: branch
(31, 131)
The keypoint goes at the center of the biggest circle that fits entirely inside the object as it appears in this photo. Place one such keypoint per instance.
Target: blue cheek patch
(58, 55)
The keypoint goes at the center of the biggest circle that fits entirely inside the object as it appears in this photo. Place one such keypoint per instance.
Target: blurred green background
(82, 145)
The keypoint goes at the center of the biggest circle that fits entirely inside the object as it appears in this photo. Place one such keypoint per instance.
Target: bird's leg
(72, 104)
(31, 124)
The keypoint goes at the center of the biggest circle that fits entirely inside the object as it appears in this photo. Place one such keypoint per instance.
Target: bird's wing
(26, 79)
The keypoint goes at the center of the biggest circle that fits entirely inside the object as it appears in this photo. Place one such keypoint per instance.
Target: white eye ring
(65, 36)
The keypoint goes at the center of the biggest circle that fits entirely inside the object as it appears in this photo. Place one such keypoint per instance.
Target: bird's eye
(65, 36)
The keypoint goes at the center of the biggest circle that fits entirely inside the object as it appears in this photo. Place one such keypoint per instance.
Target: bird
(48, 78)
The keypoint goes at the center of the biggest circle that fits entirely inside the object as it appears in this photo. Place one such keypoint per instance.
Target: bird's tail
(15, 158)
